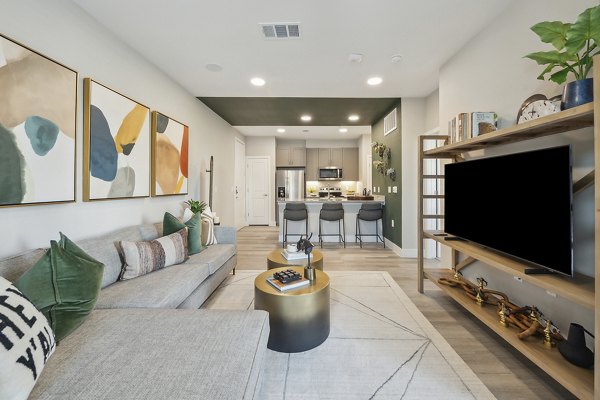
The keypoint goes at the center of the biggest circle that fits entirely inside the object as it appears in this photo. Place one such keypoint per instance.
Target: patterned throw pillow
(144, 257)
(26, 343)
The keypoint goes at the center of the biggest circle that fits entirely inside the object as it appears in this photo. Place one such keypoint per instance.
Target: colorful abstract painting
(116, 145)
(169, 156)
(38, 108)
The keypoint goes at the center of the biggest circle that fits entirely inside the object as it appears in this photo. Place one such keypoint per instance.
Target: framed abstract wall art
(169, 156)
(116, 147)
(38, 119)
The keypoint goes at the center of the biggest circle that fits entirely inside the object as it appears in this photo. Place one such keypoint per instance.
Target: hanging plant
(380, 166)
(379, 148)
(385, 153)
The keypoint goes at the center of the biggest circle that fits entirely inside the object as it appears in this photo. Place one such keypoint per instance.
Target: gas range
(332, 191)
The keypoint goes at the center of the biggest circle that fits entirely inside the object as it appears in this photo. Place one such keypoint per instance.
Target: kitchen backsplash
(313, 187)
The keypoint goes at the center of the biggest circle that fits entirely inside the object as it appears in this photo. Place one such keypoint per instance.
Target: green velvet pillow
(172, 224)
(64, 285)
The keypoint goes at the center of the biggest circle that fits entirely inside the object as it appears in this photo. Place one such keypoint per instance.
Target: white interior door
(240, 184)
(259, 190)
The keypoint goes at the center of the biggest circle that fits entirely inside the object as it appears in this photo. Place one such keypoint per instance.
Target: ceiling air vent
(390, 123)
(283, 30)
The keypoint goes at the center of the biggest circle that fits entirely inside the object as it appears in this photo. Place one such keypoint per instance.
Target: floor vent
(280, 30)
(390, 122)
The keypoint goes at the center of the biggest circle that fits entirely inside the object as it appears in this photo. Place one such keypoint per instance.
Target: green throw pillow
(172, 224)
(64, 285)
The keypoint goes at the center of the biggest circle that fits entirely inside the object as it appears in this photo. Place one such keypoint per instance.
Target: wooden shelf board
(563, 121)
(579, 289)
(578, 381)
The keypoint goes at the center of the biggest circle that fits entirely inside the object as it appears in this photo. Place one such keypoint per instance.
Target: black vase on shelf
(574, 348)
(577, 93)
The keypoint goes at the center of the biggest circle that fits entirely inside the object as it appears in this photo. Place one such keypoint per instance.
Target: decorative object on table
(575, 44)
(116, 145)
(287, 280)
(37, 127)
(196, 206)
(536, 106)
(169, 156)
(304, 245)
(28, 342)
(287, 276)
(574, 348)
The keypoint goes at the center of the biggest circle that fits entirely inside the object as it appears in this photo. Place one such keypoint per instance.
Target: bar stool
(294, 212)
(333, 212)
(370, 212)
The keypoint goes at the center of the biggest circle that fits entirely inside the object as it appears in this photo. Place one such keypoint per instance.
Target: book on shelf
(469, 125)
(483, 122)
(284, 287)
(295, 255)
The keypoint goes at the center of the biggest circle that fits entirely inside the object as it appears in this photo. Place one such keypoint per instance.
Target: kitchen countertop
(378, 199)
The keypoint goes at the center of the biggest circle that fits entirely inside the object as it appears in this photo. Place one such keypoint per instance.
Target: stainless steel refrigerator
(289, 185)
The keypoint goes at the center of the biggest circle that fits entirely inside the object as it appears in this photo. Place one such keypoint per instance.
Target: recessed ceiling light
(343, 130)
(375, 80)
(353, 117)
(306, 118)
(396, 58)
(213, 67)
(257, 81)
(281, 130)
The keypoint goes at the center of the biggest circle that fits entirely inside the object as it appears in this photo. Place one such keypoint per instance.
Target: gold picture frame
(116, 145)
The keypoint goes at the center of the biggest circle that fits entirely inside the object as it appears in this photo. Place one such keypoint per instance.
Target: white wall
(62, 31)
(265, 146)
(413, 124)
(432, 111)
(490, 73)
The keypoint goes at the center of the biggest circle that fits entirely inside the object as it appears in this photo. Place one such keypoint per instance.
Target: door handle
(265, 195)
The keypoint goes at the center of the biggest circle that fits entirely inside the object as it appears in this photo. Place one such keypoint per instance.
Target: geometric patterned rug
(380, 347)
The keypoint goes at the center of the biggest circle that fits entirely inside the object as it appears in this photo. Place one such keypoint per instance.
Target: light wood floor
(503, 370)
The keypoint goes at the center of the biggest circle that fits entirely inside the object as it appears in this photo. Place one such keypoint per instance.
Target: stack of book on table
(293, 255)
(287, 280)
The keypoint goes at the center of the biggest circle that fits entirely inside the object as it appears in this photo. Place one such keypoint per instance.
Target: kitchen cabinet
(291, 156)
(350, 164)
(312, 164)
(331, 157)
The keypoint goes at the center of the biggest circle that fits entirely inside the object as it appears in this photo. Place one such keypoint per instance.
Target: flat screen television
(517, 204)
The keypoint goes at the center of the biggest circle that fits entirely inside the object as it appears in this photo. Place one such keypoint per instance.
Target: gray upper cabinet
(312, 165)
(291, 157)
(337, 157)
(324, 158)
(350, 164)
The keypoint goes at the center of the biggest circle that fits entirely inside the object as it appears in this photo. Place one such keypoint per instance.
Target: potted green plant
(196, 206)
(575, 44)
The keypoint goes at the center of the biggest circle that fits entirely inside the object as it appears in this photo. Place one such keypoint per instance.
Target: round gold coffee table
(299, 318)
(276, 260)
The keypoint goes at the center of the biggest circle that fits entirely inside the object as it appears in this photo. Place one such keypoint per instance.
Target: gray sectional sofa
(146, 338)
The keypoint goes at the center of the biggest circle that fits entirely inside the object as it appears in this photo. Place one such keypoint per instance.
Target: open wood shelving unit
(580, 289)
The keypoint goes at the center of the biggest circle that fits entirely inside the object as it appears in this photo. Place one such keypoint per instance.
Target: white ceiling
(182, 36)
(299, 132)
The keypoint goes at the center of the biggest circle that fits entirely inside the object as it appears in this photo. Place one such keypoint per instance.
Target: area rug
(380, 347)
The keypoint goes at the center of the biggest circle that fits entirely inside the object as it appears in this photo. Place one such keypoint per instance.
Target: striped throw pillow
(144, 257)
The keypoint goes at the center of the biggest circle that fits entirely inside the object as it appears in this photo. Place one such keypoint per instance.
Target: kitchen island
(314, 204)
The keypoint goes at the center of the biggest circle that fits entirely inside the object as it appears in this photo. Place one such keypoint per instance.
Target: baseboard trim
(400, 252)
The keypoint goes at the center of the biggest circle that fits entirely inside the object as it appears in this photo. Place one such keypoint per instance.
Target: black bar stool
(370, 212)
(294, 212)
(333, 212)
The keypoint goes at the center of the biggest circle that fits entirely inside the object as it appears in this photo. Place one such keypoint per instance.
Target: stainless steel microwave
(330, 174)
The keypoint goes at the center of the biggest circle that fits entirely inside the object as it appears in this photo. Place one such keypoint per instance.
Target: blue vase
(577, 93)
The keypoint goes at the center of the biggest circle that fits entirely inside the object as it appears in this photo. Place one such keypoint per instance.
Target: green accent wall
(393, 201)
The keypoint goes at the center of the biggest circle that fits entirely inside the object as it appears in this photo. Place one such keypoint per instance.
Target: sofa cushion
(166, 288)
(106, 249)
(214, 255)
(158, 354)
(142, 258)
(64, 285)
(27, 341)
(13, 267)
(172, 224)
